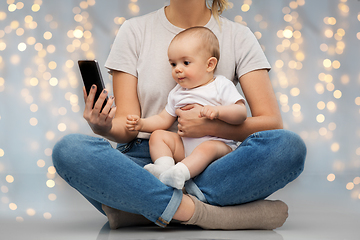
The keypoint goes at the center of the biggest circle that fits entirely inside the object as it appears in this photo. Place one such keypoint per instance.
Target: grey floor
(318, 210)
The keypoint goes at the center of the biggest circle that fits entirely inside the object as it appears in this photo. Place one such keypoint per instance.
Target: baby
(193, 55)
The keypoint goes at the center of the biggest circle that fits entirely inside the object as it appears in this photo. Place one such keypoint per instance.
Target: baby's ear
(211, 64)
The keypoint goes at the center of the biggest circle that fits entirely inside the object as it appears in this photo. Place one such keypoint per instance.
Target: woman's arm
(127, 103)
(258, 91)
(126, 100)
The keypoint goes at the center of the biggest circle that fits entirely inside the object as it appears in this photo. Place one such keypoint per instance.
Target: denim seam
(161, 222)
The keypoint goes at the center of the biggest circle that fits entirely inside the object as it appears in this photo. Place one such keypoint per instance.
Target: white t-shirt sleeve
(248, 53)
(124, 53)
(170, 106)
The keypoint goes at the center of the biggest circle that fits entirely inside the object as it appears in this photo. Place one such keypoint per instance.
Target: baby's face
(189, 62)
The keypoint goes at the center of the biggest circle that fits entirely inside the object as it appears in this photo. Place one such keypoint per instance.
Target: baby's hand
(133, 123)
(210, 112)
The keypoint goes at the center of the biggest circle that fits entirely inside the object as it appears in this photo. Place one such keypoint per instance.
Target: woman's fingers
(89, 102)
(93, 112)
(84, 93)
(188, 107)
(104, 115)
(108, 105)
(100, 101)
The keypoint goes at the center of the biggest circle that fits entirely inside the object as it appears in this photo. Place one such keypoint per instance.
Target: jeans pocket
(125, 147)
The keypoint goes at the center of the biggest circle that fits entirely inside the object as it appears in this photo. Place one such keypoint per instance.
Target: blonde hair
(209, 41)
(217, 7)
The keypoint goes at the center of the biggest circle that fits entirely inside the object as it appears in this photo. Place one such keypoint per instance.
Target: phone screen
(91, 75)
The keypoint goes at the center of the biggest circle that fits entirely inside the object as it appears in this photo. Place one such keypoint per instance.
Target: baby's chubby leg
(165, 148)
(194, 164)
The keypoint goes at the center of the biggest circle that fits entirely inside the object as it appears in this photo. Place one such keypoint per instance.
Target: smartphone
(91, 75)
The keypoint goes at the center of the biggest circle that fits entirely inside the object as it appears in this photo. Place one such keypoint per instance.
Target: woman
(232, 188)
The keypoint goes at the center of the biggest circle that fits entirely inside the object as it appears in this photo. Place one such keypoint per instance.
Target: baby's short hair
(208, 39)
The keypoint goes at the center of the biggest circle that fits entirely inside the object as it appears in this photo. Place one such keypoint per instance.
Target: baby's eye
(173, 64)
(186, 63)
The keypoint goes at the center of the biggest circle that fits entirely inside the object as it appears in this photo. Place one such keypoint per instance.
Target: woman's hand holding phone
(99, 120)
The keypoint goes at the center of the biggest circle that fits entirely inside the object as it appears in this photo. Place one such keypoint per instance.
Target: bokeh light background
(313, 47)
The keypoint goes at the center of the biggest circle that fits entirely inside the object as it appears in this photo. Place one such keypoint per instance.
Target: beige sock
(118, 218)
(261, 214)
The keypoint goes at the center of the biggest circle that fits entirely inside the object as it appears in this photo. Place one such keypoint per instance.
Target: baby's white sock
(160, 165)
(175, 176)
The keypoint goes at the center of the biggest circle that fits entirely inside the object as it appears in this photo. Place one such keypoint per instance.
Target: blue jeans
(265, 162)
